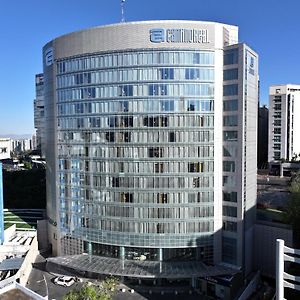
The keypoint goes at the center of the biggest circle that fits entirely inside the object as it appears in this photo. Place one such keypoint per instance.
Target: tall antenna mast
(122, 11)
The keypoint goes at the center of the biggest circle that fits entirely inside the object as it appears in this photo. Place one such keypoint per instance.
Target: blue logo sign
(251, 65)
(49, 56)
(251, 62)
(157, 35)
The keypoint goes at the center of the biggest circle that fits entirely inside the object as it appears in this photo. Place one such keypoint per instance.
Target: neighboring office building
(263, 131)
(34, 142)
(21, 145)
(284, 122)
(39, 113)
(151, 135)
(5, 148)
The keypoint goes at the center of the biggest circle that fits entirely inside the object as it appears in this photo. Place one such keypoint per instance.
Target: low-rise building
(17, 254)
(21, 145)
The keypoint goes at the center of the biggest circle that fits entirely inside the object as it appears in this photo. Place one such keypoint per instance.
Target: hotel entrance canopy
(139, 269)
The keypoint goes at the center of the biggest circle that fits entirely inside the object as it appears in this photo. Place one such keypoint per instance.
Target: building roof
(11, 264)
(15, 294)
(139, 269)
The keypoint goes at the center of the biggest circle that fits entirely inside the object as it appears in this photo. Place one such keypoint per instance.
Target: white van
(64, 280)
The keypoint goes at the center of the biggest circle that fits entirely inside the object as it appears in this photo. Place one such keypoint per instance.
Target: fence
(284, 279)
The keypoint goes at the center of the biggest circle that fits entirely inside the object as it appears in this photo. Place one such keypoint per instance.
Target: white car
(64, 280)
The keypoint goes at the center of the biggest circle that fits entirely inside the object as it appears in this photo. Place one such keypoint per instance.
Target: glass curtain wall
(136, 154)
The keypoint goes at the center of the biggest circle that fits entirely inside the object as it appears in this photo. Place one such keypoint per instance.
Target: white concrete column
(122, 252)
(160, 254)
(279, 269)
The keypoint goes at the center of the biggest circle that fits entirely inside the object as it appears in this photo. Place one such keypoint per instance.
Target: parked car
(64, 280)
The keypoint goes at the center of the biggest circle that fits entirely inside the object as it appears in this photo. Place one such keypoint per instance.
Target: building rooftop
(15, 294)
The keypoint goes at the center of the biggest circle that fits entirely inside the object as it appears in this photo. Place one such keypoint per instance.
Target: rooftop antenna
(122, 11)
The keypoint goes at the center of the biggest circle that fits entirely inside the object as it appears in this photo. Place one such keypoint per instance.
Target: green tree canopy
(292, 211)
(104, 291)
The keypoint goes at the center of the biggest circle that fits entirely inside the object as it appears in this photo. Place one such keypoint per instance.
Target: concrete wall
(10, 283)
(42, 234)
(30, 293)
(265, 246)
(24, 271)
(5, 284)
(9, 232)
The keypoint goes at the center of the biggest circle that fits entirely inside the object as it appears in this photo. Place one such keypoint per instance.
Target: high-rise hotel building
(284, 122)
(151, 143)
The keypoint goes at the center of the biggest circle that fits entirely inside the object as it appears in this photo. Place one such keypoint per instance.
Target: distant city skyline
(267, 26)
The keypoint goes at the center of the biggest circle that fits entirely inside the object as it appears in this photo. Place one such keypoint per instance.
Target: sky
(270, 27)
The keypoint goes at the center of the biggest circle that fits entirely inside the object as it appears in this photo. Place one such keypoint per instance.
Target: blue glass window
(124, 106)
(229, 226)
(230, 74)
(230, 120)
(230, 90)
(192, 73)
(230, 196)
(230, 136)
(167, 105)
(229, 211)
(196, 58)
(228, 166)
(166, 73)
(82, 78)
(87, 93)
(192, 105)
(126, 90)
(230, 105)
(199, 105)
(229, 251)
(158, 89)
(231, 57)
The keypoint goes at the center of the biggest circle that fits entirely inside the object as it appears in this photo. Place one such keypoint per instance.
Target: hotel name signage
(160, 35)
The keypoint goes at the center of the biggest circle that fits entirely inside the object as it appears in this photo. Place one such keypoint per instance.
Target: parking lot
(42, 281)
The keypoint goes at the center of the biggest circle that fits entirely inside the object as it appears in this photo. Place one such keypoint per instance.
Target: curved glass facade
(136, 153)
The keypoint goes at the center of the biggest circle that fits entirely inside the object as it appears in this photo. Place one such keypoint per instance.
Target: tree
(72, 295)
(104, 291)
(87, 292)
(292, 211)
